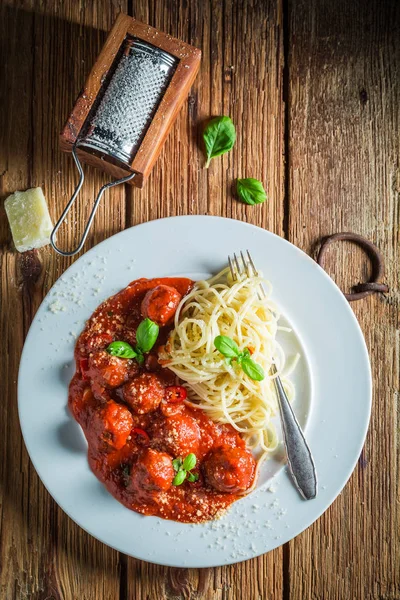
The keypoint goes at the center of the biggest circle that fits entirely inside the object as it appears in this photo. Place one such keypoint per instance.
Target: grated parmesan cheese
(55, 307)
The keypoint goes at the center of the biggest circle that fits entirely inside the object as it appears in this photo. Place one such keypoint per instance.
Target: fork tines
(243, 266)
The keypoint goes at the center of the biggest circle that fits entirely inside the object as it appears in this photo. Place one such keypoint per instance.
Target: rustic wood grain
(47, 50)
(240, 75)
(50, 48)
(341, 83)
(344, 97)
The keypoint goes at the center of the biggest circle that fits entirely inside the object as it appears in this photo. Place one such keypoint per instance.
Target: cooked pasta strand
(221, 306)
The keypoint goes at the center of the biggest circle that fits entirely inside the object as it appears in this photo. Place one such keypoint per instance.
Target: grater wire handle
(71, 202)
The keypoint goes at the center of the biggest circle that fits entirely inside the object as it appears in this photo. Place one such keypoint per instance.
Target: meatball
(179, 435)
(144, 393)
(160, 304)
(229, 469)
(128, 332)
(90, 342)
(151, 363)
(153, 471)
(111, 423)
(108, 371)
(169, 409)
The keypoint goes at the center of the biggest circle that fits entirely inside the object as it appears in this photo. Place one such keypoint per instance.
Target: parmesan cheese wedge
(29, 219)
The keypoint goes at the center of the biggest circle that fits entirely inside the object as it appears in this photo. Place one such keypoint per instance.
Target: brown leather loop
(360, 290)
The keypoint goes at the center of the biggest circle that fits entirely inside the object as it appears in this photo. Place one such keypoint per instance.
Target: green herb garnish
(252, 369)
(190, 462)
(146, 337)
(219, 137)
(179, 478)
(121, 349)
(227, 346)
(139, 355)
(230, 350)
(183, 469)
(250, 191)
(177, 463)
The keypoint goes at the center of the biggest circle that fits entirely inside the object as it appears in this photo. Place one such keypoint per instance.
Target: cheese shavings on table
(29, 219)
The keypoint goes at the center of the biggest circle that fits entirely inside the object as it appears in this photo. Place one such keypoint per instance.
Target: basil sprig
(250, 191)
(146, 337)
(121, 349)
(183, 469)
(230, 350)
(219, 137)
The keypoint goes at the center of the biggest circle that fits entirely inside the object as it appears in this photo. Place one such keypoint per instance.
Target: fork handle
(300, 460)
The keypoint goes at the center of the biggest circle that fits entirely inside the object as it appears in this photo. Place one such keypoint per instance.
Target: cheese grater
(127, 107)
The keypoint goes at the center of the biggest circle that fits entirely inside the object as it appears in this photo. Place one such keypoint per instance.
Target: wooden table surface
(313, 88)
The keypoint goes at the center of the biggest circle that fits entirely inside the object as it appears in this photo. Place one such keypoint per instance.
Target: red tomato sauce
(135, 423)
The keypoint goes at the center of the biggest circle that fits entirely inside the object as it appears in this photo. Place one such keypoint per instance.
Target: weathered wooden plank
(344, 174)
(240, 76)
(50, 48)
(16, 95)
(343, 161)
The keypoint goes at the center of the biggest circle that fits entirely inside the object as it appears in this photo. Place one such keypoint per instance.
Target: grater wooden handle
(166, 113)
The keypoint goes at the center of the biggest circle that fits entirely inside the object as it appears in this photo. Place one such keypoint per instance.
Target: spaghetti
(221, 306)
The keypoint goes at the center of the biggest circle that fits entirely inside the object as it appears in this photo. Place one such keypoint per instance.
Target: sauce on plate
(136, 421)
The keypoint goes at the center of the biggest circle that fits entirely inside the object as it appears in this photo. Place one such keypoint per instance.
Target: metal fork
(299, 457)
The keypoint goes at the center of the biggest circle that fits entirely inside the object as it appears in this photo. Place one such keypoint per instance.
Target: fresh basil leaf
(193, 477)
(252, 369)
(139, 355)
(146, 335)
(179, 478)
(121, 349)
(177, 463)
(226, 346)
(246, 353)
(250, 191)
(219, 137)
(190, 462)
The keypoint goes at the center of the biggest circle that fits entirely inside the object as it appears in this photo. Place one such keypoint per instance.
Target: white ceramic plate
(334, 364)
